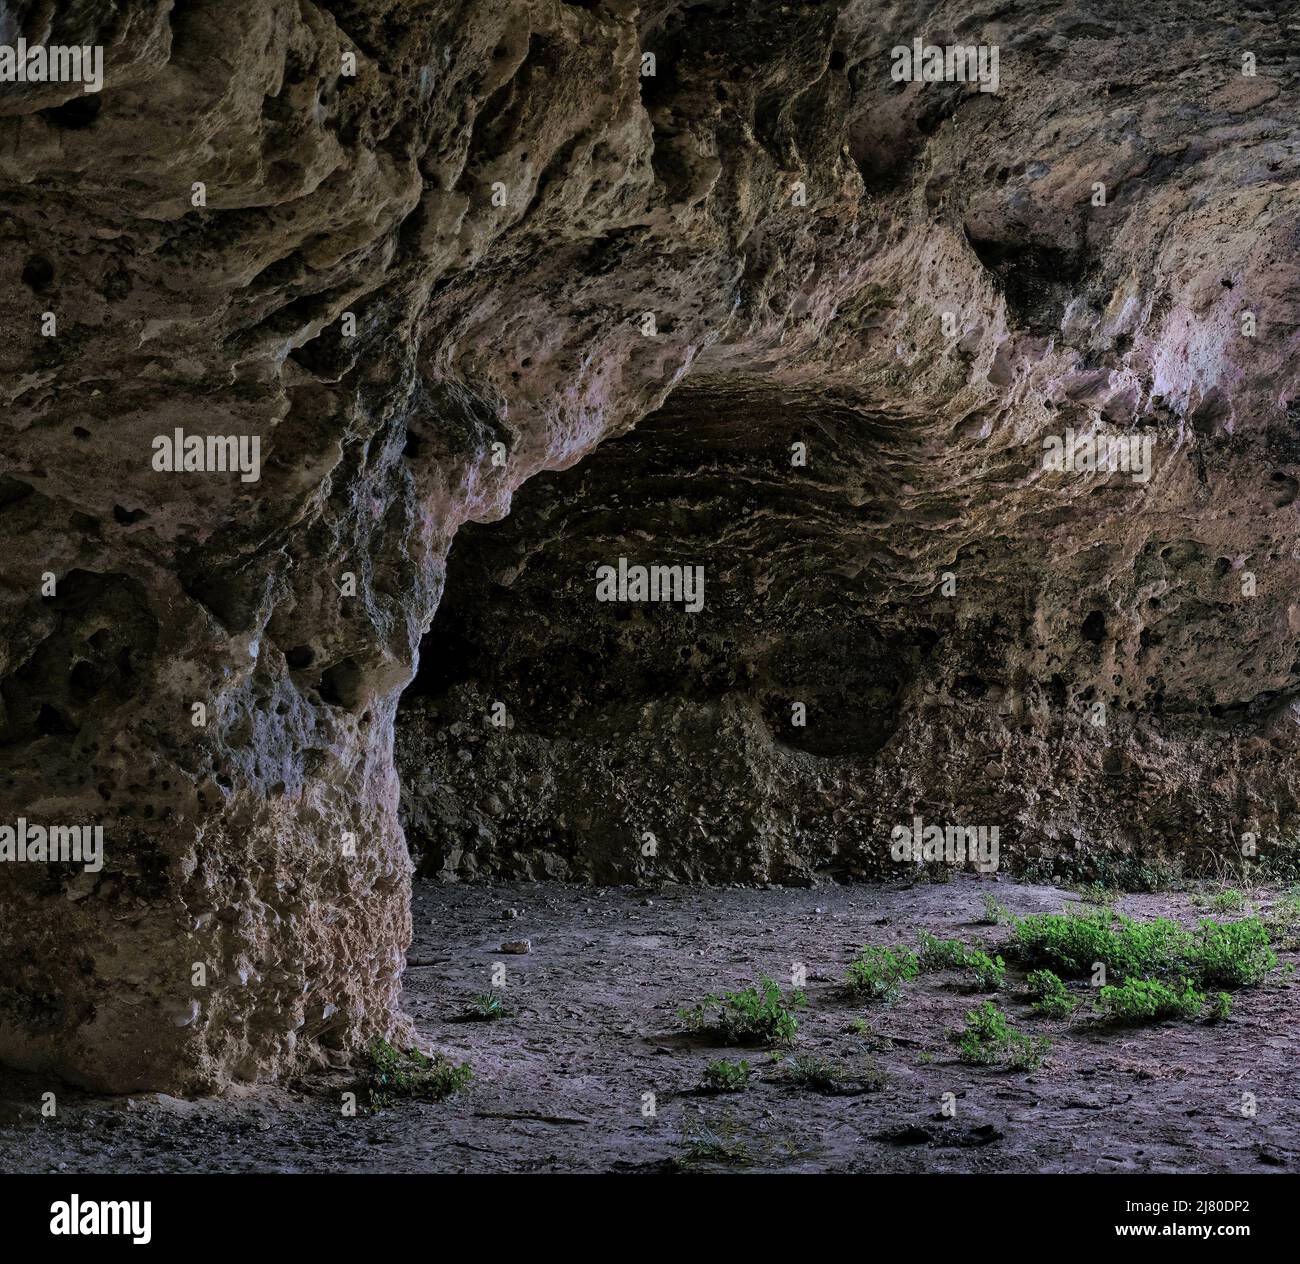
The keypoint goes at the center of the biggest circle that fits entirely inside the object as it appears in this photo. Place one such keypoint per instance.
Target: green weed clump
(1282, 921)
(939, 954)
(990, 1040)
(1048, 995)
(486, 1008)
(753, 1016)
(1117, 872)
(1234, 954)
(995, 914)
(808, 1071)
(1217, 955)
(1096, 893)
(392, 1073)
(1160, 970)
(1149, 1000)
(702, 1144)
(726, 1077)
(1227, 900)
(1069, 943)
(879, 973)
(987, 973)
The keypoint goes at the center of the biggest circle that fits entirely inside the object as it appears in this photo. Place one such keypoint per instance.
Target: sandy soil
(559, 1084)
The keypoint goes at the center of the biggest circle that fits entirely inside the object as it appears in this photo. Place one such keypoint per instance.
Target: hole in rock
(96, 632)
(77, 113)
(53, 723)
(38, 274)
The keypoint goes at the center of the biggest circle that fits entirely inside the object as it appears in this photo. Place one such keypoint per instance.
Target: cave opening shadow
(664, 666)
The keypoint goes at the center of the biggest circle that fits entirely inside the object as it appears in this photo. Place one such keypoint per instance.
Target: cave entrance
(574, 717)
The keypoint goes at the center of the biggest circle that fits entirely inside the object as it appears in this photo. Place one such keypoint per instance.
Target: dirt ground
(560, 1083)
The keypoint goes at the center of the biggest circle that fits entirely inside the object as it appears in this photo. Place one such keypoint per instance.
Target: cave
(829, 685)
(649, 587)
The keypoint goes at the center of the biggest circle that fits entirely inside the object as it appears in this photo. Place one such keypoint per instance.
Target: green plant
(871, 1077)
(1148, 1000)
(1096, 893)
(1282, 921)
(1218, 954)
(880, 973)
(940, 954)
(1220, 1008)
(1069, 943)
(989, 1040)
(486, 1008)
(1048, 995)
(871, 1038)
(392, 1073)
(995, 914)
(726, 1077)
(1118, 870)
(701, 1144)
(988, 973)
(1234, 954)
(1229, 900)
(808, 1071)
(755, 1015)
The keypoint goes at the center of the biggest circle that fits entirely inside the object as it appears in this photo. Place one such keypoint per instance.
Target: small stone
(510, 914)
(517, 946)
(81, 886)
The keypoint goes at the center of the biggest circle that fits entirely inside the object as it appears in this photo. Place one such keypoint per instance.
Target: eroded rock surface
(820, 697)
(498, 196)
(1104, 666)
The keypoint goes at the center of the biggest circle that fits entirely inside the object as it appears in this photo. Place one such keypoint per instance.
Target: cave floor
(559, 1083)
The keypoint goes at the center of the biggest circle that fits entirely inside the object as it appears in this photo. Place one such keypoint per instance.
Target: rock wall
(410, 250)
(821, 695)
